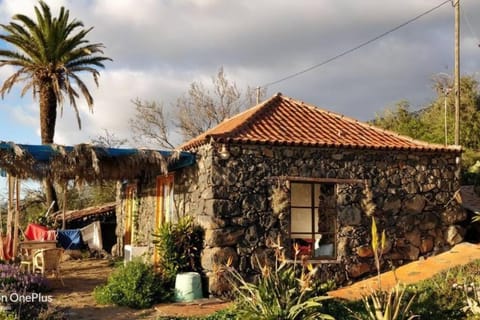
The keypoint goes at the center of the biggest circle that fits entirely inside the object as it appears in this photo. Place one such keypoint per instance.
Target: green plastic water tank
(188, 286)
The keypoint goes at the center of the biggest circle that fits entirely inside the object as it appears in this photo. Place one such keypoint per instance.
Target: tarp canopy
(85, 162)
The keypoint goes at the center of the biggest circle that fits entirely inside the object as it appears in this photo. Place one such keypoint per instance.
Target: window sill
(315, 261)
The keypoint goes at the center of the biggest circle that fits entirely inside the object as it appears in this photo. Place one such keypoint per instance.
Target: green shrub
(134, 285)
(179, 246)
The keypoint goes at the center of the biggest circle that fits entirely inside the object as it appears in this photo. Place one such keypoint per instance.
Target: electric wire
(469, 25)
(361, 45)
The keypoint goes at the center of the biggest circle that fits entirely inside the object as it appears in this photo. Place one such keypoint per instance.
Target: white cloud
(160, 47)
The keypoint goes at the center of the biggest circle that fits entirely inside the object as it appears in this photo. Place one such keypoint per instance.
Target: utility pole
(457, 72)
(258, 94)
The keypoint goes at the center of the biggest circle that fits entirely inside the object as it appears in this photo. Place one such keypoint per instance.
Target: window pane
(301, 220)
(301, 194)
(327, 195)
(325, 245)
(325, 220)
(316, 196)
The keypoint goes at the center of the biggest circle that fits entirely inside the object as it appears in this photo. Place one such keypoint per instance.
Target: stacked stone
(413, 193)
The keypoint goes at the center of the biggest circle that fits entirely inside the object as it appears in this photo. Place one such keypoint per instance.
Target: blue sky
(160, 47)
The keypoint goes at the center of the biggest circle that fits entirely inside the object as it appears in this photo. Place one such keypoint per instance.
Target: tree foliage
(48, 54)
(428, 124)
(400, 119)
(199, 109)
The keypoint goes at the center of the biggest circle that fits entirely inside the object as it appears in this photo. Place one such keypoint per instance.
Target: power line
(467, 20)
(363, 44)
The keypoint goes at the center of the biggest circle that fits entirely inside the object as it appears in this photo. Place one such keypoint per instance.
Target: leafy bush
(134, 285)
(179, 246)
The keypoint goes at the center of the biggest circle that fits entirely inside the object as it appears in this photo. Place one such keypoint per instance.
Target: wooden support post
(16, 217)
(457, 72)
(64, 206)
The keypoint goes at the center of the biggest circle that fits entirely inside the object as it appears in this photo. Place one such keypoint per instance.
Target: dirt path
(77, 301)
(413, 272)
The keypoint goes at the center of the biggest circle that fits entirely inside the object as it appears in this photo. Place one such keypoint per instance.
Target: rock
(219, 208)
(218, 284)
(342, 247)
(350, 216)
(223, 237)
(392, 205)
(428, 187)
(453, 216)
(409, 252)
(213, 258)
(415, 205)
(426, 245)
(414, 238)
(412, 188)
(209, 222)
(429, 221)
(406, 222)
(358, 269)
(454, 235)
(365, 252)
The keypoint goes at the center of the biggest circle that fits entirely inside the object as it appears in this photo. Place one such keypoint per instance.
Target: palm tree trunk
(48, 117)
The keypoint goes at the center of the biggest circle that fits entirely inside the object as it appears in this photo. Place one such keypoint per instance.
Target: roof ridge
(285, 120)
(261, 108)
(371, 126)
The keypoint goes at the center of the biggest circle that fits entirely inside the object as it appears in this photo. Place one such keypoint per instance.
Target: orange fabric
(7, 247)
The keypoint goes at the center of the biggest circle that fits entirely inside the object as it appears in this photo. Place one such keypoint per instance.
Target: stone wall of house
(412, 192)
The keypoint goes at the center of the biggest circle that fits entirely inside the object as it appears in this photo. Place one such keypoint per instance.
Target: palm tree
(50, 53)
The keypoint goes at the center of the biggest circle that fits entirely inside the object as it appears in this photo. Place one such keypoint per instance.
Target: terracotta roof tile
(285, 121)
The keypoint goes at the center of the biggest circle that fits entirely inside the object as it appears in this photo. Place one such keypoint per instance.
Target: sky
(159, 47)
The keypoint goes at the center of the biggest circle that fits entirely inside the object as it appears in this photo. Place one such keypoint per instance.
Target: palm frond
(50, 51)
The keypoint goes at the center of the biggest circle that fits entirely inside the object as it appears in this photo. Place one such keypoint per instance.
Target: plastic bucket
(188, 286)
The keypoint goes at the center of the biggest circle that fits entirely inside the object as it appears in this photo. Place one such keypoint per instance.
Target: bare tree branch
(198, 110)
(108, 140)
(150, 124)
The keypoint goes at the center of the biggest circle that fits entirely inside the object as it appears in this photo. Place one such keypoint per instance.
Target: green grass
(435, 299)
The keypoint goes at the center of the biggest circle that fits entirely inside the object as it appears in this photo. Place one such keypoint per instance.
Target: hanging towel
(92, 235)
(70, 239)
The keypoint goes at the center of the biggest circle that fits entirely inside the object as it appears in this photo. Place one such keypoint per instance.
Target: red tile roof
(282, 120)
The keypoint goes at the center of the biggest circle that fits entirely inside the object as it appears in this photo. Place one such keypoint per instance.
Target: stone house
(288, 171)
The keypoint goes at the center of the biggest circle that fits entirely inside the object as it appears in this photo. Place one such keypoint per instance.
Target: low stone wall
(413, 194)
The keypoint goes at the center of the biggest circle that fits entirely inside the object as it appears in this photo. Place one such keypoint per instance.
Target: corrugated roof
(285, 121)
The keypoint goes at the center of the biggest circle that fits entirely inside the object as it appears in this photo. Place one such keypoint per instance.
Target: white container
(131, 252)
(188, 286)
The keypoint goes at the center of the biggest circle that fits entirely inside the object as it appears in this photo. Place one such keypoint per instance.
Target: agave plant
(381, 305)
(278, 292)
(385, 305)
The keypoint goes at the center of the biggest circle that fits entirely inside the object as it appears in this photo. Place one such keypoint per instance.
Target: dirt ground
(77, 302)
